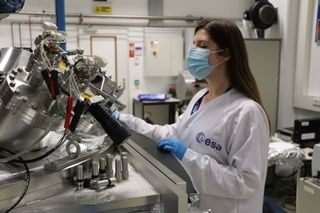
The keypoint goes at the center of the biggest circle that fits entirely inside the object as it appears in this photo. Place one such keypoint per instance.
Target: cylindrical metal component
(20, 69)
(103, 164)
(80, 177)
(102, 168)
(118, 174)
(98, 184)
(123, 154)
(109, 166)
(95, 170)
(125, 171)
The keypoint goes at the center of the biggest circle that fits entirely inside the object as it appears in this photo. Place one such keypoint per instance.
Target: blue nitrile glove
(116, 114)
(173, 145)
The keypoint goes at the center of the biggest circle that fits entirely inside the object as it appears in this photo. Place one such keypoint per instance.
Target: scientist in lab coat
(222, 137)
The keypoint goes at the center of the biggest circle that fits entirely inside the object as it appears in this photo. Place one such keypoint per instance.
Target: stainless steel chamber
(13, 57)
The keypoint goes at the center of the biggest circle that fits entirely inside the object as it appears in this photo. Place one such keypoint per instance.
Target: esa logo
(201, 138)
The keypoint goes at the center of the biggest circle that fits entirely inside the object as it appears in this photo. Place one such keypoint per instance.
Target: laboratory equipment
(306, 132)
(59, 144)
(262, 14)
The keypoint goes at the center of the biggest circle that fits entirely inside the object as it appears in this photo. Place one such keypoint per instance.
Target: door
(106, 48)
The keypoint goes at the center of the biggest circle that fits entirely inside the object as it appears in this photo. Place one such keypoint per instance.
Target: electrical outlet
(316, 102)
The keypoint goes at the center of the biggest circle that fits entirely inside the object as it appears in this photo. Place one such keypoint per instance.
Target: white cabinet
(163, 55)
(308, 195)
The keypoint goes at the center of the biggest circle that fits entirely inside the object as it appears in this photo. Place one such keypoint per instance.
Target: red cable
(68, 112)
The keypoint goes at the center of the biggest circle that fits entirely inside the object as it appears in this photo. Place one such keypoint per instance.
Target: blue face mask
(198, 64)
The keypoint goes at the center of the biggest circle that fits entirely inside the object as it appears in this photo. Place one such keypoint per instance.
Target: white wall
(314, 73)
(119, 7)
(205, 8)
(288, 11)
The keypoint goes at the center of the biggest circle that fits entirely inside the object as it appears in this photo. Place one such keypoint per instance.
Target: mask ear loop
(217, 64)
(218, 51)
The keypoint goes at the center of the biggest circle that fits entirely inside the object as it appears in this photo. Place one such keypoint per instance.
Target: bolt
(17, 92)
(24, 99)
(34, 106)
(14, 72)
(12, 84)
(12, 77)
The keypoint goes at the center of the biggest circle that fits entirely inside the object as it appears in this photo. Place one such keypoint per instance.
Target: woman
(222, 137)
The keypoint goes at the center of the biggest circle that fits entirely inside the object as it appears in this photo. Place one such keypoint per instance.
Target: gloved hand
(116, 114)
(173, 145)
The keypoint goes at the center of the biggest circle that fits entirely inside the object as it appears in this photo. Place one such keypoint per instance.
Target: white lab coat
(227, 140)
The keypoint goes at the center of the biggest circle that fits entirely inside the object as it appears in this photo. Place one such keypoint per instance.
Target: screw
(12, 77)
(34, 106)
(24, 99)
(12, 84)
(14, 72)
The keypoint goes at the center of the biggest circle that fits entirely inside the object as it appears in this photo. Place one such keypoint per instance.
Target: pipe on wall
(60, 18)
(87, 15)
(82, 16)
(109, 24)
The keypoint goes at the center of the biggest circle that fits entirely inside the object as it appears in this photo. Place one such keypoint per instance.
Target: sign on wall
(102, 9)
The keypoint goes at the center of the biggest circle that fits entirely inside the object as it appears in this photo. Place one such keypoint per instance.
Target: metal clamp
(73, 155)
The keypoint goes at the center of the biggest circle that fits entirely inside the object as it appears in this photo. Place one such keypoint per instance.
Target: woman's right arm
(153, 131)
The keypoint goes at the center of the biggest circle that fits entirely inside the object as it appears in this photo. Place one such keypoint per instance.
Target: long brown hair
(227, 36)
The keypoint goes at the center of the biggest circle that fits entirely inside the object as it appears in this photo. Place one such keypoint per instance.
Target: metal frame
(172, 188)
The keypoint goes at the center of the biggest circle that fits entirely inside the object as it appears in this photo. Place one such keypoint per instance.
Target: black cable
(27, 179)
(60, 142)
